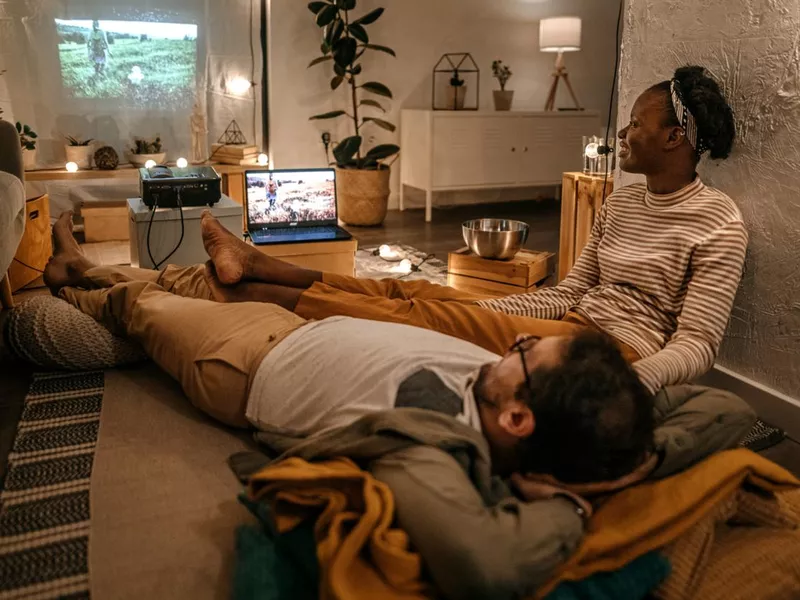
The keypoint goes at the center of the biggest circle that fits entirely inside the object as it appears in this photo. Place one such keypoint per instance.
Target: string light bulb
(150, 164)
(591, 150)
(72, 167)
(239, 86)
(263, 159)
(182, 163)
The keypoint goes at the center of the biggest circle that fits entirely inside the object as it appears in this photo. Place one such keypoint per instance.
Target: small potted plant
(146, 150)
(79, 151)
(458, 91)
(27, 138)
(502, 98)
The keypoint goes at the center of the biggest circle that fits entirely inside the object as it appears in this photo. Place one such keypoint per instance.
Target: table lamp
(560, 34)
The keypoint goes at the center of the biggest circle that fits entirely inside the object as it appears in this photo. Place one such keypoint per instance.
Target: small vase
(456, 96)
(503, 99)
(29, 159)
(80, 155)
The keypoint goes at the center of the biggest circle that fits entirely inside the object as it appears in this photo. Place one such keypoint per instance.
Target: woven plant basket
(363, 196)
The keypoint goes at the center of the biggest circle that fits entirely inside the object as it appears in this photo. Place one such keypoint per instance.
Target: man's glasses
(522, 345)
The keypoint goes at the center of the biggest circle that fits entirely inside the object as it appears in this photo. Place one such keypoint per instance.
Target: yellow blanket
(360, 555)
(655, 514)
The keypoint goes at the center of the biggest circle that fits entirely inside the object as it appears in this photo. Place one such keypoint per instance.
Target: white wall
(420, 31)
(751, 48)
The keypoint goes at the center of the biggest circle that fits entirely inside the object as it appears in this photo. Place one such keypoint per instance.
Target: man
(97, 48)
(431, 415)
(12, 195)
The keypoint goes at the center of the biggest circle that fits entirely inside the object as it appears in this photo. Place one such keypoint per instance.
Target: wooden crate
(581, 199)
(526, 272)
(105, 221)
(36, 246)
(338, 256)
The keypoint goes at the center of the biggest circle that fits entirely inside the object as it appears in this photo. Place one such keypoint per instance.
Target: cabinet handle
(513, 149)
(526, 149)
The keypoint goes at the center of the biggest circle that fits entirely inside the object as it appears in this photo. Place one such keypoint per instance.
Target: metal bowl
(500, 239)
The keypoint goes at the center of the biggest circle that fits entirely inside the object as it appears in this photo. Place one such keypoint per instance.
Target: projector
(166, 187)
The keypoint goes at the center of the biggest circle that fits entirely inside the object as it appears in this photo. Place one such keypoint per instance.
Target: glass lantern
(456, 83)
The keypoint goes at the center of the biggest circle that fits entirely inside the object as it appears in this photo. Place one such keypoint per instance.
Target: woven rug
(44, 507)
(370, 265)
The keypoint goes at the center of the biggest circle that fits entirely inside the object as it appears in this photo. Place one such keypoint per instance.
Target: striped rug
(44, 506)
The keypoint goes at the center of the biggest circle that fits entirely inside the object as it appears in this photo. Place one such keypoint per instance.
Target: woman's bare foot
(230, 255)
(68, 265)
(253, 291)
(236, 261)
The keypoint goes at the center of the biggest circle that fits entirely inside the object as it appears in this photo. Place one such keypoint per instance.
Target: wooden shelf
(125, 171)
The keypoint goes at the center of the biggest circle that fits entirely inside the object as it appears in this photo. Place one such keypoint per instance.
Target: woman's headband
(685, 118)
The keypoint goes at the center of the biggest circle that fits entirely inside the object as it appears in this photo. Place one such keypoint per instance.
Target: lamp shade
(560, 34)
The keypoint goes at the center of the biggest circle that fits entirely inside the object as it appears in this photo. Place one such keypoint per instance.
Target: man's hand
(532, 490)
(537, 484)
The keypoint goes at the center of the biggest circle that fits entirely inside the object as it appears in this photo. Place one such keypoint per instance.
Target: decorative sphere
(150, 164)
(182, 163)
(106, 158)
(72, 167)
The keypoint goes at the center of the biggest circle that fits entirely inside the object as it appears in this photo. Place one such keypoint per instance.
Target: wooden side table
(581, 199)
(526, 272)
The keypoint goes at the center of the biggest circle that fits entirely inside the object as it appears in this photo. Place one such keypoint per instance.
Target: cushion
(52, 334)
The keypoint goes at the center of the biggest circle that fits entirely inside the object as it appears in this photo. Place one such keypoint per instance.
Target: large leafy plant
(27, 136)
(344, 42)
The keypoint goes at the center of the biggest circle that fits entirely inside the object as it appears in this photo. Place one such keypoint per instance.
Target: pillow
(52, 334)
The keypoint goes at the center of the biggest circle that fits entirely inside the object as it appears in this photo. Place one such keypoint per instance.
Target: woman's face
(643, 142)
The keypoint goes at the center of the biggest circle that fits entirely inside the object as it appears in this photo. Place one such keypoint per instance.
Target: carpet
(44, 506)
(370, 265)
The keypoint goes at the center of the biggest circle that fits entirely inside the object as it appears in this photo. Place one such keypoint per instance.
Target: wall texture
(753, 48)
(420, 31)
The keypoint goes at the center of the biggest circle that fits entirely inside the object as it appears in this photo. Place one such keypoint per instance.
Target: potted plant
(145, 150)
(458, 91)
(27, 138)
(502, 98)
(79, 151)
(362, 177)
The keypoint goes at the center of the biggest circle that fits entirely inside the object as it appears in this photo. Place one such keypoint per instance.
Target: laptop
(292, 205)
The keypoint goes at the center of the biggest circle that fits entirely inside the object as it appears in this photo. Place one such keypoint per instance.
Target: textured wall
(753, 48)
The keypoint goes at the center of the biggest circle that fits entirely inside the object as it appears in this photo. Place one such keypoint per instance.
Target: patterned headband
(686, 118)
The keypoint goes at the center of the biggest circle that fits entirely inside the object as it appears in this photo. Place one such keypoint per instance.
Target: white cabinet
(460, 150)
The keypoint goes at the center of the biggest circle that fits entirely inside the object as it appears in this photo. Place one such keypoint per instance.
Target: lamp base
(559, 73)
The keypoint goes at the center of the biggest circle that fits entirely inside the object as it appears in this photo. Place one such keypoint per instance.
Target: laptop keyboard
(280, 234)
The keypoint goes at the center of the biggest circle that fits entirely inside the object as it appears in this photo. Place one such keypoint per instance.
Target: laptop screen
(291, 197)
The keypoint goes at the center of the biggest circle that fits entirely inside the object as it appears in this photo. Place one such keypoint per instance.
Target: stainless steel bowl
(500, 239)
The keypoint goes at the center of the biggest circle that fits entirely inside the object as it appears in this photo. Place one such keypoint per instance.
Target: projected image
(291, 197)
(145, 63)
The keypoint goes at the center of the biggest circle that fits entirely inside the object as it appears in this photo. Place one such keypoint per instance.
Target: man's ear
(517, 420)
(675, 137)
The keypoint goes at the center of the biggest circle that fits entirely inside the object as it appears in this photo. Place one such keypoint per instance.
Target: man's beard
(479, 390)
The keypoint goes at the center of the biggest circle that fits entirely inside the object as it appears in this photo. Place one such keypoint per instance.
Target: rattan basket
(363, 196)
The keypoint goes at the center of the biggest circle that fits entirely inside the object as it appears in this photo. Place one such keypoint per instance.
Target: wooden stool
(526, 272)
(337, 256)
(581, 199)
(36, 246)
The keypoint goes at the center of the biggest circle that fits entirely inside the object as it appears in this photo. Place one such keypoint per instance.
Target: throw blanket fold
(655, 514)
(360, 555)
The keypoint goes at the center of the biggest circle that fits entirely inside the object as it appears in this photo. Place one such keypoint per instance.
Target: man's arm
(694, 422)
(12, 218)
(469, 549)
(716, 270)
(554, 302)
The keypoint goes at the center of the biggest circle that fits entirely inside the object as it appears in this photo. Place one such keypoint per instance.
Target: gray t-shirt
(329, 373)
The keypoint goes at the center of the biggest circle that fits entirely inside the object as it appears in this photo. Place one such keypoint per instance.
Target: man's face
(506, 420)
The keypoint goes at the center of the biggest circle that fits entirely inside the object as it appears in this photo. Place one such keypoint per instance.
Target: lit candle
(150, 164)
(72, 167)
(182, 163)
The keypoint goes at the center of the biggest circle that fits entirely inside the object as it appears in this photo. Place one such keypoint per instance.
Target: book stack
(234, 154)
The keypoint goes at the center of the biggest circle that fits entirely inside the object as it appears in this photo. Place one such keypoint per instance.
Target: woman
(658, 274)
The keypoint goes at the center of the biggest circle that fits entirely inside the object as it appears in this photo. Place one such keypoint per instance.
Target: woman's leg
(213, 350)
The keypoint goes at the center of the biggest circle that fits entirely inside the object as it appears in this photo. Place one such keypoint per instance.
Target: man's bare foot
(253, 291)
(230, 255)
(68, 265)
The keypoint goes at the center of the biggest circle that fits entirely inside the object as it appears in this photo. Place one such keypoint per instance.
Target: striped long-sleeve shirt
(659, 273)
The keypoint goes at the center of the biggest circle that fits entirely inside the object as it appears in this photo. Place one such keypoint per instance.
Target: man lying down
(567, 407)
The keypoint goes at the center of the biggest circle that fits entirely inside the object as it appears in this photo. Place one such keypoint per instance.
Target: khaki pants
(213, 350)
(424, 304)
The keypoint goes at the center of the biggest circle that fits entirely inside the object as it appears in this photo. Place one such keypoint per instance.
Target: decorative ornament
(233, 135)
(106, 158)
